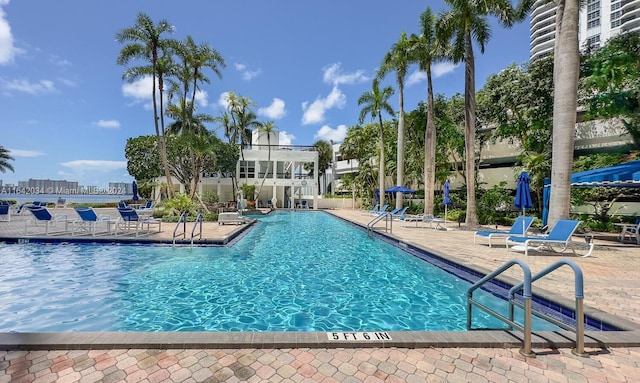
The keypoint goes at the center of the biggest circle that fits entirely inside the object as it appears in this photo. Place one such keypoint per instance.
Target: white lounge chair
(519, 228)
(232, 218)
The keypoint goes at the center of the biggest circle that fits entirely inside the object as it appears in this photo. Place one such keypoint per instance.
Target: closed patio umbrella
(446, 201)
(523, 193)
(135, 191)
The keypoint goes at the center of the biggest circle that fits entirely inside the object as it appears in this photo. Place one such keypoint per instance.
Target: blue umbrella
(135, 191)
(400, 189)
(546, 195)
(446, 201)
(523, 193)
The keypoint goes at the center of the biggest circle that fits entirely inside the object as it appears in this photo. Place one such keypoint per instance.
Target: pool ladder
(388, 222)
(525, 286)
(183, 220)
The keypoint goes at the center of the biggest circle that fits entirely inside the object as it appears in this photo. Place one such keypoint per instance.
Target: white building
(599, 21)
(287, 182)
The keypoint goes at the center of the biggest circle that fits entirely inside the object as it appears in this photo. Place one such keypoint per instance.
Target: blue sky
(66, 113)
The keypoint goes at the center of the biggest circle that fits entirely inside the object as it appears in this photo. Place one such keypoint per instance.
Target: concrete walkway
(612, 285)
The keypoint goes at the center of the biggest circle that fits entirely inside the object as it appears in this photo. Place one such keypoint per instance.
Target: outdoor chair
(146, 209)
(89, 221)
(519, 228)
(43, 218)
(382, 210)
(131, 222)
(631, 232)
(5, 212)
(400, 213)
(371, 211)
(558, 237)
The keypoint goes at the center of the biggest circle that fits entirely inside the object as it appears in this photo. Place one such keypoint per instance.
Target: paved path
(612, 284)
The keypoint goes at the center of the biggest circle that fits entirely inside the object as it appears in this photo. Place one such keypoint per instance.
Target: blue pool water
(302, 271)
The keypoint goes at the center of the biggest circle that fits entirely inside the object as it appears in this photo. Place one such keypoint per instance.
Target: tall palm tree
(427, 50)
(238, 121)
(5, 157)
(464, 23)
(325, 156)
(376, 102)
(565, 79)
(194, 58)
(398, 60)
(186, 121)
(268, 128)
(147, 44)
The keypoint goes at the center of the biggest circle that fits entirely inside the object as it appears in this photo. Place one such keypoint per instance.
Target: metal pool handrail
(183, 220)
(579, 296)
(197, 223)
(526, 287)
(388, 222)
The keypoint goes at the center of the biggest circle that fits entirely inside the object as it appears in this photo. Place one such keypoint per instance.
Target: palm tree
(565, 80)
(186, 121)
(398, 60)
(202, 145)
(427, 50)
(325, 156)
(148, 45)
(5, 157)
(464, 23)
(376, 102)
(268, 128)
(194, 58)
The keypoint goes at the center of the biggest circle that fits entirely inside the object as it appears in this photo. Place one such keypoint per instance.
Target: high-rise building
(599, 21)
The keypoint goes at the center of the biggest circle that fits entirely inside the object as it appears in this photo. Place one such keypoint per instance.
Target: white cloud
(246, 73)
(416, 78)
(286, 138)
(107, 124)
(202, 98)
(24, 153)
(42, 86)
(440, 69)
(223, 100)
(314, 112)
(140, 91)
(8, 51)
(274, 111)
(94, 165)
(332, 75)
(336, 135)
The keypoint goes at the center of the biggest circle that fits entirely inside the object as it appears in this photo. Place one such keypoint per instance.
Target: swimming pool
(302, 271)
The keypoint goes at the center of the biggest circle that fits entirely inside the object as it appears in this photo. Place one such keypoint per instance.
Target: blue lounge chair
(43, 218)
(398, 215)
(382, 210)
(130, 220)
(560, 235)
(146, 209)
(5, 212)
(519, 228)
(372, 211)
(89, 221)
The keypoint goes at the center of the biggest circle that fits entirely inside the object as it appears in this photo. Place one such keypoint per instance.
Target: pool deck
(612, 286)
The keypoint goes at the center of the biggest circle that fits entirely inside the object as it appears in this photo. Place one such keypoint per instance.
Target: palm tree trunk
(381, 171)
(566, 69)
(163, 142)
(429, 150)
(400, 149)
(470, 133)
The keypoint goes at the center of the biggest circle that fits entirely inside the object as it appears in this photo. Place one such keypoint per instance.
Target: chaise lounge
(519, 228)
(559, 236)
(231, 218)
